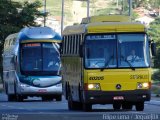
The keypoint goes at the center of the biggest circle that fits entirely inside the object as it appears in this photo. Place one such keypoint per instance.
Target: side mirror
(153, 48)
(81, 50)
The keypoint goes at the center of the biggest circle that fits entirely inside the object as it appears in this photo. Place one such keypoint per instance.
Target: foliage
(154, 32)
(14, 16)
(156, 75)
(134, 16)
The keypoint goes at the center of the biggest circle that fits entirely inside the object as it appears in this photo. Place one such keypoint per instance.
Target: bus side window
(66, 45)
(77, 44)
(63, 45)
(7, 44)
(14, 41)
(10, 42)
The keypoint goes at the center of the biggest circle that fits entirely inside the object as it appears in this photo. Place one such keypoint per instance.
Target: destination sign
(100, 37)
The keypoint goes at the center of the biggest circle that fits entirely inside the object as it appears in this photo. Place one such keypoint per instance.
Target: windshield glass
(40, 58)
(100, 51)
(133, 48)
(115, 51)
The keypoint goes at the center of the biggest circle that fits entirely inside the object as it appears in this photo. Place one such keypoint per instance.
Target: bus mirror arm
(153, 48)
(60, 48)
(81, 50)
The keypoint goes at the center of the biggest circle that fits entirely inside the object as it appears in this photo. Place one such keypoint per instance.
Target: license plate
(42, 90)
(118, 98)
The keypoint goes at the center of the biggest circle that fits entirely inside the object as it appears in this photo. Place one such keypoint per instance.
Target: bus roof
(105, 24)
(14, 35)
(75, 29)
(109, 27)
(35, 34)
(105, 27)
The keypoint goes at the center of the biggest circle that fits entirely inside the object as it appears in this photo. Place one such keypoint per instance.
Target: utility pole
(159, 11)
(130, 8)
(44, 13)
(88, 5)
(62, 16)
(117, 3)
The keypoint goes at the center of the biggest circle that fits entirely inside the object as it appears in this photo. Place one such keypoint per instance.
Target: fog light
(24, 85)
(143, 85)
(94, 86)
(144, 96)
(139, 85)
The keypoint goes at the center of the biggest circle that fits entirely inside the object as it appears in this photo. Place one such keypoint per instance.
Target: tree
(14, 16)
(154, 32)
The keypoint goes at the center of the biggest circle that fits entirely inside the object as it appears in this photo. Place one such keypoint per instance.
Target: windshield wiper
(131, 66)
(107, 63)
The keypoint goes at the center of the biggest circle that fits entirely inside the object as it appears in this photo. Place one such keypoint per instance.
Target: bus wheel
(87, 107)
(11, 98)
(47, 98)
(140, 106)
(127, 106)
(73, 105)
(59, 98)
(70, 102)
(117, 106)
(19, 98)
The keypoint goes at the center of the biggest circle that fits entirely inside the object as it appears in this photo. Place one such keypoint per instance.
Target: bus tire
(117, 106)
(127, 106)
(140, 106)
(19, 98)
(73, 105)
(6, 87)
(11, 98)
(47, 98)
(70, 102)
(87, 107)
(66, 91)
(59, 98)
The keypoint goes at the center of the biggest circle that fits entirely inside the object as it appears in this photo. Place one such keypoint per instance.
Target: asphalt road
(35, 109)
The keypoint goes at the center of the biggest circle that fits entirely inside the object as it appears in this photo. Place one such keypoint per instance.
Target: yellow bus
(107, 60)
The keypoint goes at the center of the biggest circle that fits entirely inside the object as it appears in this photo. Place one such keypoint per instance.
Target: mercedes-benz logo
(118, 86)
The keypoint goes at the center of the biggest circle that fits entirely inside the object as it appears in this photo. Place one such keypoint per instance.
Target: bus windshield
(40, 58)
(116, 51)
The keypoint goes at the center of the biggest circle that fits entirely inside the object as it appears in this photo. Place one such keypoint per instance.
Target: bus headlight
(143, 85)
(93, 86)
(24, 85)
(90, 86)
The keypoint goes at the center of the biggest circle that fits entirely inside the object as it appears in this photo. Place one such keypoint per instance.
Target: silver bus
(32, 65)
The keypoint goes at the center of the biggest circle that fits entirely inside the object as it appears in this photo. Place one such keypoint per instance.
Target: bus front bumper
(108, 97)
(24, 89)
